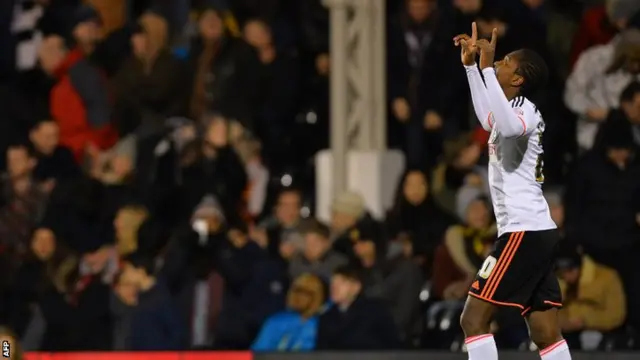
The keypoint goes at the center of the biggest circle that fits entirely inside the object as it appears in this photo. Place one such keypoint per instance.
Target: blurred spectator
(145, 317)
(459, 175)
(221, 79)
(23, 200)
(86, 28)
(600, 24)
(465, 247)
(396, 280)
(54, 161)
(421, 88)
(350, 222)
(212, 166)
(601, 74)
(602, 206)
(296, 328)
(628, 113)
(149, 85)
(316, 257)
(79, 100)
(416, 214)
(593, 297)
(355, 322)
(47, 256)
(277, 84)
(280, 231)
(127, 224)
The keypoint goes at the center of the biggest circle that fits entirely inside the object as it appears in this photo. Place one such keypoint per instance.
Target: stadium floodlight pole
(339, 91)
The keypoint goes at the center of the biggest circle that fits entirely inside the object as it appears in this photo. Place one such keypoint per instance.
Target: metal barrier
(379, 355)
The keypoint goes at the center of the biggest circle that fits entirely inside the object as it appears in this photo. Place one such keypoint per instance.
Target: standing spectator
(592, 294)
(215, 168)
(277, 81)
(317, 257)
(421, 89)
(54, 161)
(602, 208)
(149, 85)
(79, 100)
(601, 74)
(296, 328)
(221, 78)
(355, 322)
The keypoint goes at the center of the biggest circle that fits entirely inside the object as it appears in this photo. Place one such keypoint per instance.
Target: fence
(207, 355)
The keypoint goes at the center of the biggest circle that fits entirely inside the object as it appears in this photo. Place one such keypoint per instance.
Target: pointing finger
(474, 32)
(494, 37)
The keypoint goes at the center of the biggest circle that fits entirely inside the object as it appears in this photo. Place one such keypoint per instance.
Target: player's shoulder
(524, 107)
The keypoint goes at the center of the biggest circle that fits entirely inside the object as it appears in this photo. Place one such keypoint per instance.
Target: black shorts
(519, 272)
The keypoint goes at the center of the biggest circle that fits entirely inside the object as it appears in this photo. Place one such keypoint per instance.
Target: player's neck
(511, 93)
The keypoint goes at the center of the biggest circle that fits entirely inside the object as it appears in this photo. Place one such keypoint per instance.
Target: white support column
(339, 45)
(358, 159)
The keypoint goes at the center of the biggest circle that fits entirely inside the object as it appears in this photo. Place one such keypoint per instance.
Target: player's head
(524, 70)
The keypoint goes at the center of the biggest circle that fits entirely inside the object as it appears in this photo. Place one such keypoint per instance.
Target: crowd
(144, 204)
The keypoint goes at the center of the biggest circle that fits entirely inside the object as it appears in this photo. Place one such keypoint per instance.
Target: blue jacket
(287, 331)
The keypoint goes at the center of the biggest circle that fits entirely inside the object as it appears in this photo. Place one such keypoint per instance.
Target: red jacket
(80, 104)
(594, 29)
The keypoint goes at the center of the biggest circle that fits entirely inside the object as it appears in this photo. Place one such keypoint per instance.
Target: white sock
(481, 347)
(557, 351)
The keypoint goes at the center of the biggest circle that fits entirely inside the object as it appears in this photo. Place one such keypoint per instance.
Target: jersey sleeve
(479, 96)
(510, 119)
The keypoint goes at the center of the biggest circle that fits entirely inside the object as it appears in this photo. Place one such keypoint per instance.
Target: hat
(622, 9)
(209, 207)
(85, 13)
(349, 203)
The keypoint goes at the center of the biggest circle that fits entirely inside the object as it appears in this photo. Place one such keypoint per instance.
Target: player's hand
(488, 50)
(401, 109)
(598, 114)
(468, 49)
(432, 120)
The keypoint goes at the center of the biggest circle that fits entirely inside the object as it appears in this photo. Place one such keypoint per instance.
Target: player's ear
(517, 80)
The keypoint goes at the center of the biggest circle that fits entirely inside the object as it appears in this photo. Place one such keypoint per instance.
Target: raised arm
(468, 52)
(479, 97)
(510, 121)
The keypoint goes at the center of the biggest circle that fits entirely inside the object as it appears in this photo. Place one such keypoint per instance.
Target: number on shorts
(487, 267)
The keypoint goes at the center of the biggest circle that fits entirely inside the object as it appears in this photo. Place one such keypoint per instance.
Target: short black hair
(630, 92)
(350, 272)
(534, 70)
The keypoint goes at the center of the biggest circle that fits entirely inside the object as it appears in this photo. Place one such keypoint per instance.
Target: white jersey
(515, 154)
(516, 174)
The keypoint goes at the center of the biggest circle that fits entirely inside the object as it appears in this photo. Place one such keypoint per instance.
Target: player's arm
(468, 52)
(510, 121)
(479, 96)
